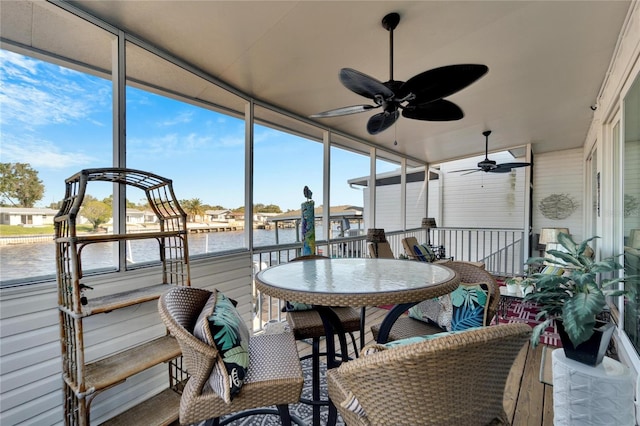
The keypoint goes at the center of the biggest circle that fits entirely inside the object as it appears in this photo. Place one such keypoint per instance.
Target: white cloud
(170, 145)
(181, 118)
(42, 154)
(37, 94)
(231, 140)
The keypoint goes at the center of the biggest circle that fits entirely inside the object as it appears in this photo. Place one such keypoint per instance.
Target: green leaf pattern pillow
(463, 308)
(469, 302)
(231, 338)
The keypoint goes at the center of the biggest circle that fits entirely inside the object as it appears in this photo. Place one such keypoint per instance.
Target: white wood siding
(560, 172)
(388, 208)
(479, 199)
(30, 365)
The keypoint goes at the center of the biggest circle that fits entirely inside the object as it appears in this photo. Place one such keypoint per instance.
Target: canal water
(20, 261)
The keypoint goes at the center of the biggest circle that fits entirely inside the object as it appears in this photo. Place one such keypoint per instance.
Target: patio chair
(406, 326)
(307, 324)
(450, 380)
(382, 251)
(408, 243)
(274, 376)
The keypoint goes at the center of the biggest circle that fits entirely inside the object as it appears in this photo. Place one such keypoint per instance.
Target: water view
(21, 261)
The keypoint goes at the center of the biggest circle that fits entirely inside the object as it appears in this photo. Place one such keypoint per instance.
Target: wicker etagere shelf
(84, 381)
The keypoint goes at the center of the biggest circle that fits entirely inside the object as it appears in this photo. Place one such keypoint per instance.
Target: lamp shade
(429, 222)
(634, 239)
(376, 235)
(550, 235)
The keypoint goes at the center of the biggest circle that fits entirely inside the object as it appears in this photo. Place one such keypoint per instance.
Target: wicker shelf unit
(82, 381)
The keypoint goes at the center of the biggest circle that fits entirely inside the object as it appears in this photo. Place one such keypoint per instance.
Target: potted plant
(574, 299)
(513, 285)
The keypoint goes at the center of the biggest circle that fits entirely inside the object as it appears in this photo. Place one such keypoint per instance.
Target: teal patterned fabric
(296, 306)
(221, 326)
(231, 338)
(463, 308)
(469, 304)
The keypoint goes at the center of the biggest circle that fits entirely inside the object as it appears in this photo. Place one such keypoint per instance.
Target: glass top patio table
(356, 282)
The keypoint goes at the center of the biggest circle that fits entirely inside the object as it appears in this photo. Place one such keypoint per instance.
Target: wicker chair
(308, 325)
(468, 273)
(274, 376)
(456, 379)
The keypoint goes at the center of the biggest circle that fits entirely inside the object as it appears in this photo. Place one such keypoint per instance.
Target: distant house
(237, 216)
(217, 215)
(150, 217)
(346, 220)
(263, 217)
(26, 216)
(135, 216)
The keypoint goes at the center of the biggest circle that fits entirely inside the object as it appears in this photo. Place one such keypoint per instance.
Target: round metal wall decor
(557, 206)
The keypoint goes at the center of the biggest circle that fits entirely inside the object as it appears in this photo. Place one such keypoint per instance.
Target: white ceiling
(546, 59)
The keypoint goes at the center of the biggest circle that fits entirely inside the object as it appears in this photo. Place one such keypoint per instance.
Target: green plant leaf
(567, 242)
(579, 314)
(566, 257)
(537, 331)
(583, 245)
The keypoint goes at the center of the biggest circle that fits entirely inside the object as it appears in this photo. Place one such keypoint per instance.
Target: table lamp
(428, 223)
(549, 237)
(376, 236)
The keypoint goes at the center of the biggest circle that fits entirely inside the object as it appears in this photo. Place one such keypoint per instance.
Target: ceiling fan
(419, 98)
(490, 166)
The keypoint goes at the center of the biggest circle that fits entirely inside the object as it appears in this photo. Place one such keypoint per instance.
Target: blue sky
(60, 121)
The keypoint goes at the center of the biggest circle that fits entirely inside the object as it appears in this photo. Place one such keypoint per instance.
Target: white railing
(501, 250)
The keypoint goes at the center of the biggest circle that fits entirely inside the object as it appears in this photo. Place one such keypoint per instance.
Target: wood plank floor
(527, 401)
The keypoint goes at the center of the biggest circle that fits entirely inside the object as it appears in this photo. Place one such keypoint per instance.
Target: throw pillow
(469, 302)
(296, 306)
(437, 311)
(465, 307)
(373, 348)
(552, 270)
(220, 325)
(424, 253)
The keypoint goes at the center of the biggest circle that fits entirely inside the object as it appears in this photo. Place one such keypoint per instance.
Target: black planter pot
(593, 350)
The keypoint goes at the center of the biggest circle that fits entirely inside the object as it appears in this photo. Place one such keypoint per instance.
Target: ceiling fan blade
(506, 167)
(439, 110)
(514, 165)
(382, 121)
(499, 170)
(363, 84)
(464, 170)
(442, 82)
(354, 109)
